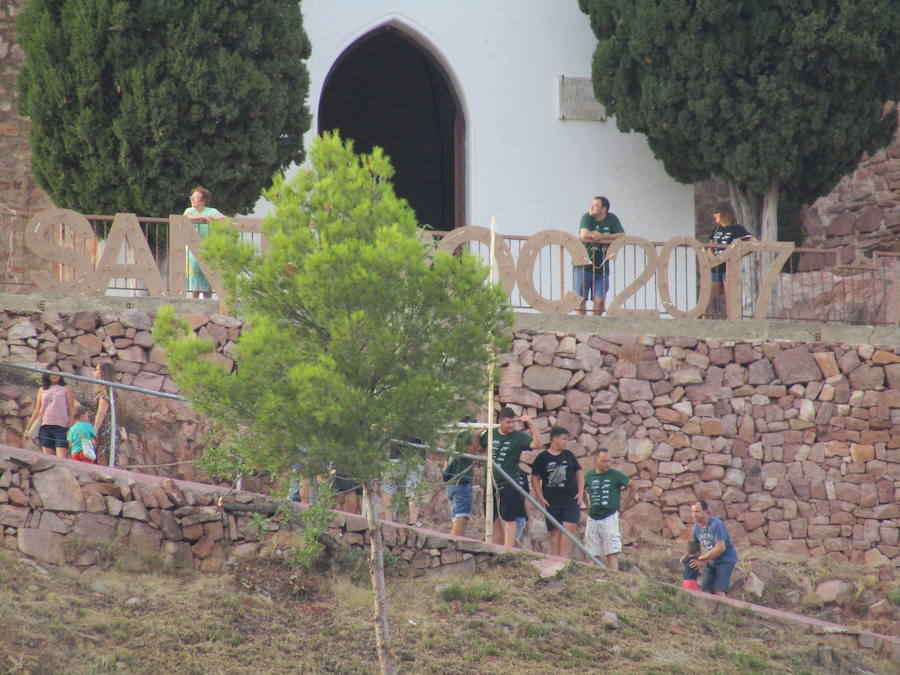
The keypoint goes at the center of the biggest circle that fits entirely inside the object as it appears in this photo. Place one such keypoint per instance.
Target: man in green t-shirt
(509, 445)
(603, 486)
(597, 228)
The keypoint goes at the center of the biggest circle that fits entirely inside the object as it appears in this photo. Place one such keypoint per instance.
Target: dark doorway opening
(388, 91)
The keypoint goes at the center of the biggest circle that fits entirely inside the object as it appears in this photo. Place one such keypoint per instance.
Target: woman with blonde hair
(200, 214)
(103, 416)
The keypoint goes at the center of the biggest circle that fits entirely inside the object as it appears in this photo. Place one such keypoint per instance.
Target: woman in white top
(55, 408)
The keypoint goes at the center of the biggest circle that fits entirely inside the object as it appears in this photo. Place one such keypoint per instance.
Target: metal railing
(512, 482)
(111, 387)
(811, 285)
(21, 263)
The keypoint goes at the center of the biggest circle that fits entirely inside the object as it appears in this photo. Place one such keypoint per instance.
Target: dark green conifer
(768, 95)
(134, 103)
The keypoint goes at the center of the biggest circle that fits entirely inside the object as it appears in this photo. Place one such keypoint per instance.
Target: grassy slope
(261, 618)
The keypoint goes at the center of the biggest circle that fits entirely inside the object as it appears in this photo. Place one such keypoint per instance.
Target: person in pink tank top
(55, 408)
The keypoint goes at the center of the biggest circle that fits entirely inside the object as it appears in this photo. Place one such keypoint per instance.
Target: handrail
(646, 277)
(503, 474)
(111, 387)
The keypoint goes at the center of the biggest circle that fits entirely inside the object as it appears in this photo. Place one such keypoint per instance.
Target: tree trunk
(379, 589)
(747, 206)
(759, 214)
(768, 230)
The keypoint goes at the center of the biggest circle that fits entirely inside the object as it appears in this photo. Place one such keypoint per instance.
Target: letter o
(525, 270)
(506, 268)
(662, 277)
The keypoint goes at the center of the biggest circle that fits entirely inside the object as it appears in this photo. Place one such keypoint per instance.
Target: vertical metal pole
(113, 426)
(892, 313)
(489, 482)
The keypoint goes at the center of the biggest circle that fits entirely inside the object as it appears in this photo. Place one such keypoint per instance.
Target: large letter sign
(44, 230)
(38, 237)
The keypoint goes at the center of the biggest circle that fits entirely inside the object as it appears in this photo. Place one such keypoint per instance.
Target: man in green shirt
(603, 486)
(509, 444)
(598, 227)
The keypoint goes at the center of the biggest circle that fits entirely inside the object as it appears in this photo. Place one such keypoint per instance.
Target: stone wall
(796, 444)
(862, 213)
(163, 435)
(83, 518)
(62, 512)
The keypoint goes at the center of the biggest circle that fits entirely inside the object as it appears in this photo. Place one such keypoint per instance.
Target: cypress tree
(134, 103)
(768, 95)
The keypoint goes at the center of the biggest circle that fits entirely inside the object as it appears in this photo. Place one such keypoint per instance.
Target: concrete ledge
(58, 302)
(794, 331)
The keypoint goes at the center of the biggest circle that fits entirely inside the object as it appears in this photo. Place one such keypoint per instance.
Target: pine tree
(768, 95)
(361, 333)
(134, 103)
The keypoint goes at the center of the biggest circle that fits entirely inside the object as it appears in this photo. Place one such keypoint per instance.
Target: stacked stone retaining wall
(796, 444)
(80, 518)
(68, 513)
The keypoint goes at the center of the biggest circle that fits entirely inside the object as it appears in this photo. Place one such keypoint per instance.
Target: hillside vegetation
(264, 616)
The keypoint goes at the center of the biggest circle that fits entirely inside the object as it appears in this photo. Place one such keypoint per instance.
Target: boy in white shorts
(603, 486)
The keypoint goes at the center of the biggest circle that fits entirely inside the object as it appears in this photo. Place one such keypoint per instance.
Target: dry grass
(503, 619)
(790, 581)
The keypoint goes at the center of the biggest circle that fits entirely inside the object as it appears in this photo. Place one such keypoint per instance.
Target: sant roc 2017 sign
(92, 278)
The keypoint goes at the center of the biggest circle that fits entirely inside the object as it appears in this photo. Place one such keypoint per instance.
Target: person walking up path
(603, 486)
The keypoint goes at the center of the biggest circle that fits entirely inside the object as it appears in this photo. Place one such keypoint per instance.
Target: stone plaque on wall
(577, 102)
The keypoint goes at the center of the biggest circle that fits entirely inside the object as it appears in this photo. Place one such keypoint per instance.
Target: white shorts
(602, 537)
(410, 481)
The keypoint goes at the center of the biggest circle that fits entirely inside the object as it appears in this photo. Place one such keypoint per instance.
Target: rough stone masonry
(796, 444)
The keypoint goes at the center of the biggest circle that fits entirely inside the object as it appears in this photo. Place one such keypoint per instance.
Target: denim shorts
(590, 282)
(716, 577)
(460, 498)
(718, 273)
(52, 436)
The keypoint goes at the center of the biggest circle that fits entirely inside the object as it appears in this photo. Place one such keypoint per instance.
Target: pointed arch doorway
(386, 89)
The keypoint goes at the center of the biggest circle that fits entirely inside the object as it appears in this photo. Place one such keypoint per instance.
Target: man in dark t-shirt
(458, 477)
(727, 232)
(558, 481)
(718, 557)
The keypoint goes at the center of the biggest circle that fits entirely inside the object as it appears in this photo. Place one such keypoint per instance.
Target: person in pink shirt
(55, 408)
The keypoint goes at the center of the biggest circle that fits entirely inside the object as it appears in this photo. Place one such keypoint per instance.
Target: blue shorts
(718, 273)
(716, 577)
(565, 513)
(521, 522)
(591, 282)
(460, 498)
(52, 436)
